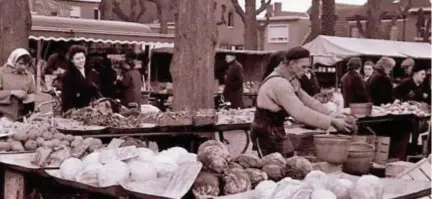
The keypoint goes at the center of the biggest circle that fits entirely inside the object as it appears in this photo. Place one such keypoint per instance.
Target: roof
(279, 18)
(70, 29)
(292, 14)
(170, 50)
(329, 50)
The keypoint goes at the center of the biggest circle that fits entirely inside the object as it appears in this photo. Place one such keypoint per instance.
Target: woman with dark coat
(413, 88)
(379, 86)
(130, 82)
(233, 91)
(79, 81)
(353, 86)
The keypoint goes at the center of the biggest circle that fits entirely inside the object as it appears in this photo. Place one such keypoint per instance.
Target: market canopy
(329, 50)
(51, 28)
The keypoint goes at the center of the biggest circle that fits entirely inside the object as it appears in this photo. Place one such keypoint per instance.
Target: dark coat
(310, 86)
(77, 91)
(353, 88)
(380, 89)
(233, 91)
(130, 86)
(408, 90)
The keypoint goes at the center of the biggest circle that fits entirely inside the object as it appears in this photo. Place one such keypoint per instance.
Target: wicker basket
(332, 148)
(360, 156)
(361, 109)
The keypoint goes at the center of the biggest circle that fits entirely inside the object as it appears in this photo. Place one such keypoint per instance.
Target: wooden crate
(382, 146)
(421, 171)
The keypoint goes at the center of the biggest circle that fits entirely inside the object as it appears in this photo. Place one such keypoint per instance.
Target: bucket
(360, 156)
(332, 148)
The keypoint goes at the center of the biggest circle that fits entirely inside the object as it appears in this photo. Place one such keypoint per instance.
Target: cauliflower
(323, 193)
(188, 157)
(113, 173)
(165, 165)
(265, 188)
(91, 158)
(341, 188)
(368, 186)
(314, 178)
(70, 168)
(142, 171)
(89, 174)
(145, 155)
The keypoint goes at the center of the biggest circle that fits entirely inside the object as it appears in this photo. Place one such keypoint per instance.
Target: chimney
(277, 8)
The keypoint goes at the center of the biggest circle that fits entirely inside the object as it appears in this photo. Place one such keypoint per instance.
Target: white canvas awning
(89, 30)
(329, 50)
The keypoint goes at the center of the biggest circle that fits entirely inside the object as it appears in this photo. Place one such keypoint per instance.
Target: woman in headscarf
(413, 88)
(79, 81)
(281, 96)
(380, 86)
(353, 86)
(17, 87)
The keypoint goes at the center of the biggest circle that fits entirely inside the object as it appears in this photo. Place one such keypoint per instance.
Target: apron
(268, 131)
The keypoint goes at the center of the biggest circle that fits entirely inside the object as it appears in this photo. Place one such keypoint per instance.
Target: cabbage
(188, 157)
(113, 173)
(314, 178)
(290, 188)
(91, 158)
(145, 155)
(141, 171)
(265, 188)
(89, 174)
(323, 193)
(368, 186)
(70, 168)
(164, 165)
(341, 188)
(174, 153)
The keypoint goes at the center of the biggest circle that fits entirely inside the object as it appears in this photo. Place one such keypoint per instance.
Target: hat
(417, 69)
(408, 62)
(297, 53)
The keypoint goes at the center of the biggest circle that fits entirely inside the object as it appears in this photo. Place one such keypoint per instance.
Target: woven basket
(332, 148)
(361, 109)
(360, 156)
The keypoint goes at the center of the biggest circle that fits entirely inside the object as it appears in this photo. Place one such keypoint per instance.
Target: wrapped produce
(70, 168)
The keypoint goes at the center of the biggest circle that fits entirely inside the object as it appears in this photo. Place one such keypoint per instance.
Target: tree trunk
(193, 61)
(373, 24)
(163, 20)
(328, 17)
(315, 21)
(106, 9)
(251, 26)
(15, 26)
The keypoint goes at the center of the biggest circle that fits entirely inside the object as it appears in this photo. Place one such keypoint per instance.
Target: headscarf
(14, 56)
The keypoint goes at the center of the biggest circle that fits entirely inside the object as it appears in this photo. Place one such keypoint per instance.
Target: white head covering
(13, 57)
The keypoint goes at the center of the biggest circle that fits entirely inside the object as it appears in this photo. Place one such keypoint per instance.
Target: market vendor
(17, 87)
(414, 88)
(79, 81)
(281, 96)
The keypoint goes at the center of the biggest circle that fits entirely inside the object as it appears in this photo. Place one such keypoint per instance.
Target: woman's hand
(342, 125)
(19, 94)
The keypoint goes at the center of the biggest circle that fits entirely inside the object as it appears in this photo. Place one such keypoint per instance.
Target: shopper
(233, 90)
(413, 88)
(379, 86)
(368, 70)
(79, 87)
(353, 86)
(130, 82)
(17, 86)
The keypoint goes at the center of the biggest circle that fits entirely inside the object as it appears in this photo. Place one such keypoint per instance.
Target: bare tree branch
(119, 12)
(143, 8)
(239, 10)
(264, 6)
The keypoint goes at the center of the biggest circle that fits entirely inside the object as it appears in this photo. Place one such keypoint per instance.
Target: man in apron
(281, 96)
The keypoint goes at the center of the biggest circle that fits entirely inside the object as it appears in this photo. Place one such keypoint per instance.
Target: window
(75, 12)
(96, 14)
(278, 33)
(355, 32)
(394, 33)
(231, 19)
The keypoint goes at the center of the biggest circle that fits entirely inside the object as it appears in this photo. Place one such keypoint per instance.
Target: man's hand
(19, 94)
(342, 125)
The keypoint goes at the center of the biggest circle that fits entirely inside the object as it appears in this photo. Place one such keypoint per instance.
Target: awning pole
(38, 65)
(149, 88)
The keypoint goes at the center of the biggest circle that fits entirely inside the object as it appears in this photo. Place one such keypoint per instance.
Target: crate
(421, 171)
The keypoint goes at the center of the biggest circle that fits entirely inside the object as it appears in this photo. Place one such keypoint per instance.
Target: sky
(303, 5)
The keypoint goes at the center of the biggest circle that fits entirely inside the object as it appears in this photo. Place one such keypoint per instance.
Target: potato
(88, 141)
(58, 136)
(76, 143)
(10, 139)
(55, 142)
(17, 146)
(30, 145)
(4, 146)
(20, 136)
(96, 141)
(80, 138)
(33, 135)
(69, 138)
(64, 143)
(40, 141)
(47, 135)
(47, 144)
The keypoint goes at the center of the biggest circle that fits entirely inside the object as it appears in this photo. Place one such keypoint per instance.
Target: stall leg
(13, 185)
